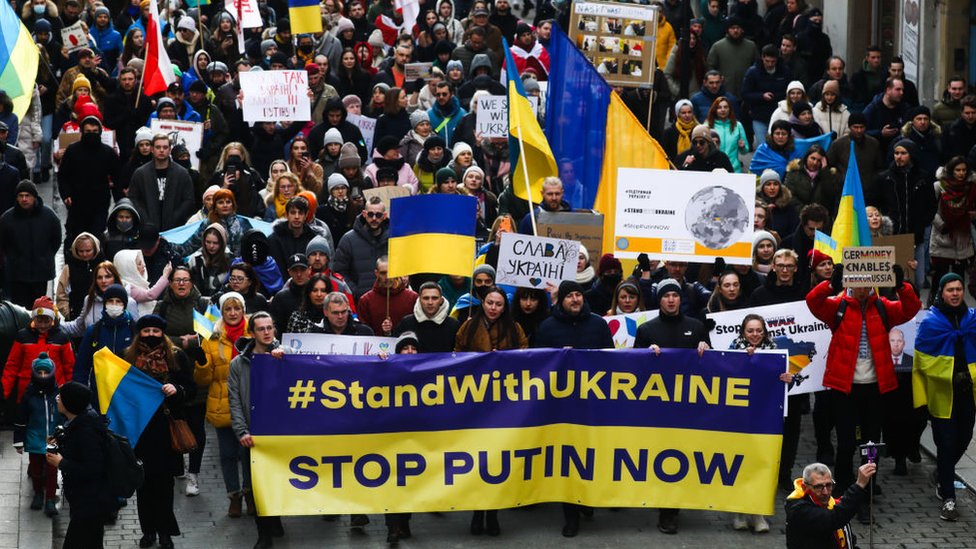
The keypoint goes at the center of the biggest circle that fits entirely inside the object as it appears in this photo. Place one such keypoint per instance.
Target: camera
(870, 450)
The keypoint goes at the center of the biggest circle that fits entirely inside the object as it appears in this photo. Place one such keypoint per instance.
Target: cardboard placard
(74, 37)
(623, 328)
(181, 132)
(535, 261)
(618, 38)
(276, 96)
(583, 226)
(65, 138)
(869, 267)
(386, 194)
(904, 250)
(417, 71)
(367, 127)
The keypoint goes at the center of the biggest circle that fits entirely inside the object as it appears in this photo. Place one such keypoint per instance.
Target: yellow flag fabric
(628, 146)
(534, 154)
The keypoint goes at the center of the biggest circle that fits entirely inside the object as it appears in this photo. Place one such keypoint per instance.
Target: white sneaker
(192, 486)
(740, 522)
(759, 524)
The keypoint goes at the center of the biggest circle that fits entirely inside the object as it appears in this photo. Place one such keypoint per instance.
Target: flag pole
(528, 187)
(142, 79)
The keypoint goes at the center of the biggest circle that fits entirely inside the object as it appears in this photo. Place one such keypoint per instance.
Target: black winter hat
(567, 287)
(254, 247)
(151, 321)
(116, 291)
(75, 397)
(26, 186)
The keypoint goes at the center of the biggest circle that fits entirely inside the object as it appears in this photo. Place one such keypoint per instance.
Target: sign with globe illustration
(684, 216)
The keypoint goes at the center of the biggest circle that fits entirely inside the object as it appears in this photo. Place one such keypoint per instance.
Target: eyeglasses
(820, 487)
(699, 141)
(782, 267)
(442, 95)
(181, 281)
(373, 215)
(237, 278)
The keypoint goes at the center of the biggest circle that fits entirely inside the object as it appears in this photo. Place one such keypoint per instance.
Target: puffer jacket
(356, 255)
(115, 334)
(946, 243)
(842, 354)
(219, 352)
(583, 331)
(824, 189)
(37, 418)
(27, 346)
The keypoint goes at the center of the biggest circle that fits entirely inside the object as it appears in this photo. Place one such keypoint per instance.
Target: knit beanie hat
(318, 244)
(43, 306)
(668, 285)
(454, 64)
(75, 397)
(857, 118)
(801, 106)
(817, 257)
(484, 269)
(947, 278)
(767, 176)
(701, 130)
(230, 295)
(116, 291)
(406, 338)
(349, 157)
(81, 81)
(43, 362)
(444, 174)
(761, 236)
(151, 321)
(351, 100)
(417, 117)
(831, 86)
(332, 136)
(609, 263)
(461, 147)
(385, 144)
(26, 186)
(143, 134)
(567, 287)
(795, 85)
(337, 180)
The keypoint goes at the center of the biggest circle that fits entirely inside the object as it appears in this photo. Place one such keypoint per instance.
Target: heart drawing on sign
(549, 251)
(614, 325)
(73, 39)
(535, 281)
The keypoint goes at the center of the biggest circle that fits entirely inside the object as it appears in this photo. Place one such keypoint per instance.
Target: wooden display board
(618, 38)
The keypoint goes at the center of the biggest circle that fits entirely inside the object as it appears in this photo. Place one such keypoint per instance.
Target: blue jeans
(952, 437)
(922, 257)
(44, 154)
(232, 454)
(760, 129)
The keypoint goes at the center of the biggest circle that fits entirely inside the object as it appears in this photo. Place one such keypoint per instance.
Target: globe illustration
(717, 217)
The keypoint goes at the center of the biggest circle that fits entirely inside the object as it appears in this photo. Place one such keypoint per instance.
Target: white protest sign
(74, 37)
(535, 261)
(793, 328)
(276, 96)
(181, 132)
(869, 266)
(367, 127)
(331, 344)
(417, 71)
(684, 216)
(250, 17)
(908, 331)
(491, 120)
(623, 328)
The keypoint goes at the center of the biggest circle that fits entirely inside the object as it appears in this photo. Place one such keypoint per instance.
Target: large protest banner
(793, 328)
(332, 344)
(684, 216)
(276, 96)
(448, 432)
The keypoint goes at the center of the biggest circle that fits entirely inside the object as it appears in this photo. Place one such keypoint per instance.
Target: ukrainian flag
(935, 349)
(531, 156)
(593, 131)
(126, 395)
(305, 16)
(823, 243)
(18, 60)
(851, 225)
(202, 324)
(432, 233)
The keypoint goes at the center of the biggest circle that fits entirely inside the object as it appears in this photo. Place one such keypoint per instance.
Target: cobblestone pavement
(907, 516)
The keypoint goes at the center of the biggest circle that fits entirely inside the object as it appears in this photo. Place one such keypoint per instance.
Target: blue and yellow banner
(18, 60)
(448, 432)
(432, 233)
(126, 395)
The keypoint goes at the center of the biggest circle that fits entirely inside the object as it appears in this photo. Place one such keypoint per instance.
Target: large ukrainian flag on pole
(531, 156)
(432, 233)
(935, 351)
(851, 226)
(126, 395)
(18, 60)
(305, 16)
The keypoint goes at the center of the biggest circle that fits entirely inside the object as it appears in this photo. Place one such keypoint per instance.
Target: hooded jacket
(114, 240)
(30, 239)
(444, 119)
(350, 133)
(842, 354)
(356, 255)
(28, 344)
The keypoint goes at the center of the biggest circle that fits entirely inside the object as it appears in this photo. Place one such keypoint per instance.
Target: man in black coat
(813, 218)
(673, 330)
(83, 461)
(338, 318)
(12, 155)
(162, 190)
(30, 236)
(431, 320)
(289, 298)
(782, 285)
(89, 169)
(291, 236)
(811, 519)
(335, 117)
(121, 113)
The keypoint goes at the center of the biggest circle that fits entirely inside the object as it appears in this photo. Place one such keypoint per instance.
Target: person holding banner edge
(672, 329)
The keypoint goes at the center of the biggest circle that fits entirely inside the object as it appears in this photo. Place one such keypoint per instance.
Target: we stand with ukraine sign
(447, 432)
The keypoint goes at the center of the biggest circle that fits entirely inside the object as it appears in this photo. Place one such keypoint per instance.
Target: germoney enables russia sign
(444, 432)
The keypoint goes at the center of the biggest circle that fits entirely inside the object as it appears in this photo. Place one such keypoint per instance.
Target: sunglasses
(699, 141)
(373, 215)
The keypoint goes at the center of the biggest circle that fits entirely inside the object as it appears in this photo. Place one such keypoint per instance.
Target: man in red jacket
(859, 366)
(388, 299)
(42, 335)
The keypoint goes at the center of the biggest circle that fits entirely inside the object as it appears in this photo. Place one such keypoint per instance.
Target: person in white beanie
(795, 93)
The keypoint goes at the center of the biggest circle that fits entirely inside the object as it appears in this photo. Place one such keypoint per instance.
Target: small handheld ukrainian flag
(432, 233)
(823, 243)
(126, 395)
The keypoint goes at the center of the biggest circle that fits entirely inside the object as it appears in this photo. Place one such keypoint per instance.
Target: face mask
(338, 204)
(305, 49)
(153, 341)
(612, 279)
(184, 162)
(40, 9)
(45, 383)
(481, 292)
(123, 226)
(114, 311)
(90, 139)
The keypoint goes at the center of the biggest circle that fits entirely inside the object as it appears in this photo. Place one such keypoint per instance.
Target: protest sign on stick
(276, 96)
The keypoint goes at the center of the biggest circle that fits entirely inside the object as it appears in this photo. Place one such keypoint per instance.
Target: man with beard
(395, 74)
(552, 201)
(431, 321)
(321, 91)
(503, 18)
(493, 35)
(88, 170)
(388, 299)
(733, 55)
(121, 113)
(361, 247)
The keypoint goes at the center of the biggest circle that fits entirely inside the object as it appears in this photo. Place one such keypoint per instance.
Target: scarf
(842, 536)
(684, 133)
(279, 204)
(585, 275)
(234, 333)
(955, 203)
(153, 362)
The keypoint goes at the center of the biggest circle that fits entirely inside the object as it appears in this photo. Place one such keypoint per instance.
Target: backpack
(125, 473)
(842, 308)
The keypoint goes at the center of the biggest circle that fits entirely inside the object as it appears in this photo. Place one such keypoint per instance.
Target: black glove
(718, 267)
(837, 279)
(644, 262)
(899, 275)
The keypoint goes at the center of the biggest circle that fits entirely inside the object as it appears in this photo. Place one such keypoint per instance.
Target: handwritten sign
(331, 344)
(250, 17)
(623, 328)
(276, 96)
(536, 261)
(181, 132)
(491, 120)
(74, 37)
(869, 267)
(417, 71)
(367, 127)
(67, 138)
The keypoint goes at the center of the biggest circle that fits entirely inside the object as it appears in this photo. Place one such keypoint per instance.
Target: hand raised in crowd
(865, 472)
